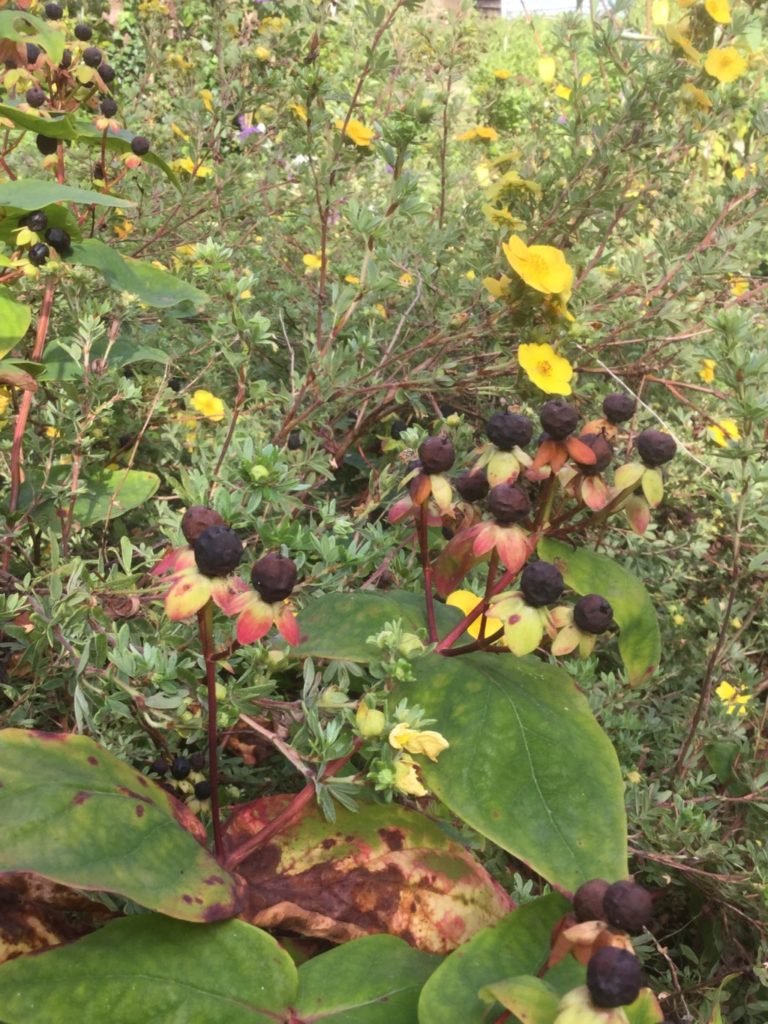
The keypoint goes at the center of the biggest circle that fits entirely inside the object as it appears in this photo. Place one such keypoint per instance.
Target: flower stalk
(205, 627)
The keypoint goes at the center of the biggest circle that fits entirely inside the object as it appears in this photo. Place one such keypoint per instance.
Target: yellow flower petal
(466, 602)
(550, 372)
(546, 67)
(718, 10)
(542, 267)
(724, 432)
(725, 64)
(207, 97)
(406, 779)
(357, 132)
(208, 405)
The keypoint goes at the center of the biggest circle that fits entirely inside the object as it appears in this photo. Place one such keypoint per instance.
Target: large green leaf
(382, 868)
(589, 573)
(374, 980)
(36, 193)
(531, 1000)
(338, 625)
(149, 968)
(150, 285)
(108, 493)
(74, 813)
(15, 319)
(53, 127)
(120, 142)
(517, 945)
(27, 28)
(528, 765)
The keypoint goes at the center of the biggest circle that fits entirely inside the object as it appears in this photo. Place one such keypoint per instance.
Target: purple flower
(253, 129)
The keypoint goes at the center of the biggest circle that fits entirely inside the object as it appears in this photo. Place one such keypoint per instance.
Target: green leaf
(35, 193)
(382, 868)
(373, 980)
(26, 28)
(149, 968)
(528, 765)
(517, 945)
(120, 142)
(74, 813)
(531, 1000)
(13, 374)
(52, 127)
(590, 573)
(645, 1009)
(338, 625)
(15, 319)
(149, 284)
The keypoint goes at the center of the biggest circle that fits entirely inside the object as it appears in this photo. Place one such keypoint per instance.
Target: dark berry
(108, 107)
(202, 789)
(197, 761)
(448, 532)
(160, 767)
(294, 441)
(472, 484)
(437, 454)
(37, 221)
(619, 407)
(218, 550)
(92, 56)
(558, 418)
(655, 447)
(33, 52)
(628, 906)
(180, 768)
(54, 11)
(588, 900)
(66, 60)
(603, 454)
(98, 171)
(140, 145)
(38, 254)
(106, 73)
(508, 430)
(541, 584)
(593, 614)
(46, 145)
(508, 504)
(35, 96)
(274, 577)
(614, 977)
(83, 32)
(59, 239)
(397, 428)
(196, 519)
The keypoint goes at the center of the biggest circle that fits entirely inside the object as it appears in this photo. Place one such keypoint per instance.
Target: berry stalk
(205, 627)
(426, 568)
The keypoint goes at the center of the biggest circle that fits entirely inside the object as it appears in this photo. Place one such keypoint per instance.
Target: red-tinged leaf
(188, 595)
(226, 590)
(174, 561)
(380, 869)
(594, 492)
(420, 489)
(255, 618)
(559, 457)
(580, 452)
(638, 513)
(455, 561)
(546, 451)
(514, 546)
(400, 510)
(17, 378)
(485, 539)
(288, 625)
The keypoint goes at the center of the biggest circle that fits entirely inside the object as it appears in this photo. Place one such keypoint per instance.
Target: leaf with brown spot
(380, 869)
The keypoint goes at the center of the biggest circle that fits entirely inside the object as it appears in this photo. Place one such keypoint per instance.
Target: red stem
(493, 565)
(480, 609)
(205, 626)
(426, 568)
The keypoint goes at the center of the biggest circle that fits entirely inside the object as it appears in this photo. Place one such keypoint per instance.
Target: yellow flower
(718, 10)
(510, 181)
(370, 722)
(635, 778)
(381, 309)
(418, 741)
(262, 53)
(550, 372)
(480, 131)
(124, 229)
(187, 164)
(739, 285)
(246, 294)
(501, 215)
(466, 602)
(707, 371)
(678, 619)
(51, 432)
(725, 431)
(502, 74)
(207, 97)
(734, 699)
(497, 286)
(542, 267)
(299, 110)
(406, 280)
(406, 779)
(312, 261)
(5, 400)
(660, 12)
(546, 67)
(470, 275)
(675, 36)
(178, 131)
(695, 96)
(586, 78)
(208, 405)
(357, 132)
(562, 92)
(352, 279)
(725, 64)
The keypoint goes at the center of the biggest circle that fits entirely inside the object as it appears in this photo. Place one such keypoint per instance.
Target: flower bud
(370, 722)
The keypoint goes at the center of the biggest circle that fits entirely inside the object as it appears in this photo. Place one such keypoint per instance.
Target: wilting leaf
(380, 869)
(27, 28)
(150, 968)
(517, 945)
(528, 765)
(531, 1000)
(645, 1009)
(150, 285)
(15, 376)
(74, 813)
(589, 573)
(36, 914)
(15, 319)
(375, 980)
(35, 193)
(454, 562)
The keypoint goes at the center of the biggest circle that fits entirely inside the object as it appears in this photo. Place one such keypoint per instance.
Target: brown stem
(239, 399)
(493, 565)
(205, 626)
(426, 568)
(477, 645)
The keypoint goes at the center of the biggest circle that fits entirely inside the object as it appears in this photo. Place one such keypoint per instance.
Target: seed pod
(59, 239)
(603, 454)
(558, 418)
(54, 11)
(92, 56)
(218, 551)
(38, 254)
(593, 614)
(614, 977)
(83, 32)
(472, 485)
(628, 906)
(106, 73)
(588, 900)
(508, 504)
(202, 790)
(140, 145)
(180, 768)
(619, 407)
(655, 447)
(46, 145)
(274, 577)
(35, 96)
(37, 221)
(509, 430)
(541, 584)
(108, 107)
(196, 519)
(437, 454)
